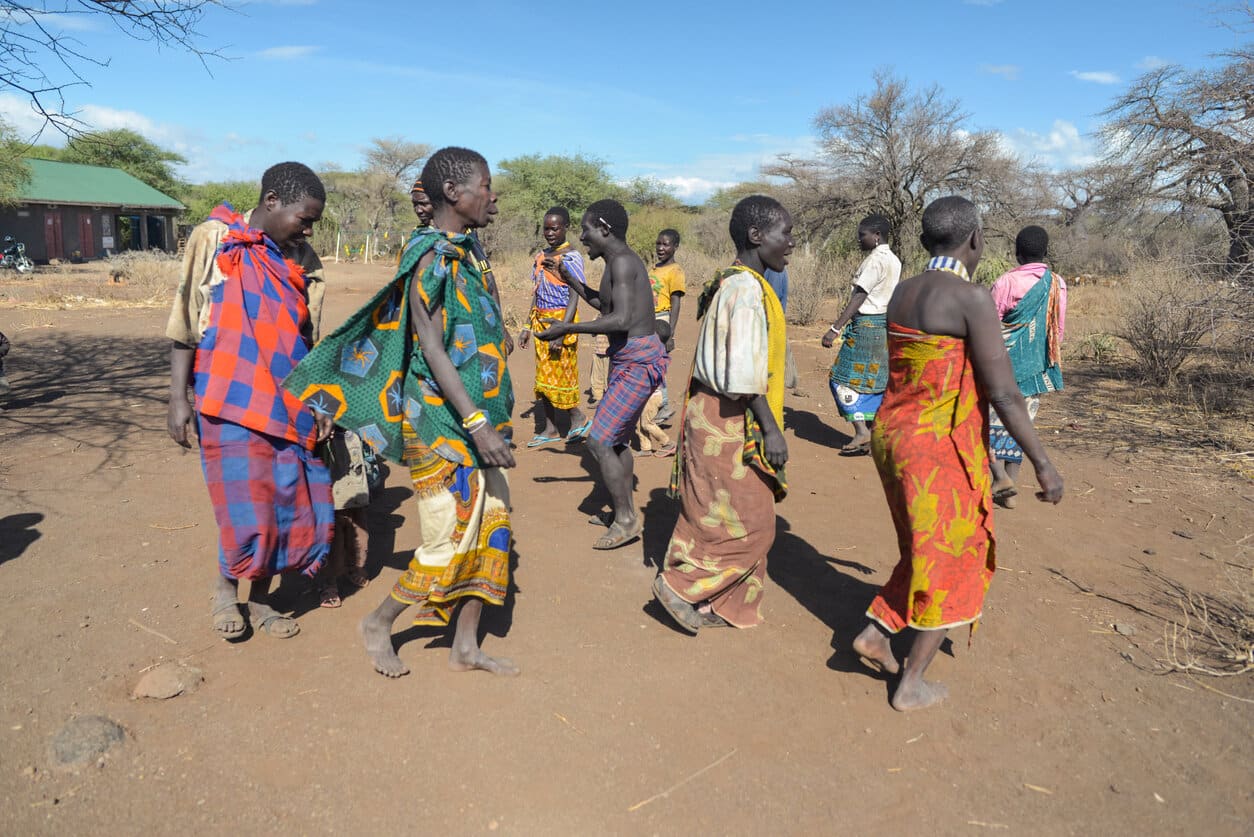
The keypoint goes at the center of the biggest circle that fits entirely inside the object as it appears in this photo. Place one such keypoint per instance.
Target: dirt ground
(1057, 723)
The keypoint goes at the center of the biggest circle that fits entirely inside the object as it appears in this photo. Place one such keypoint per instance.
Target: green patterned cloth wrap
(369, 375)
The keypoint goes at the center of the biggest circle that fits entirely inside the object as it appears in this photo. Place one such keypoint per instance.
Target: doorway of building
(156, 232)
(53, 241)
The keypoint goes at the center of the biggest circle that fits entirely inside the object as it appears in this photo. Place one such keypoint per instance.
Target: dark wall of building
(69, 232)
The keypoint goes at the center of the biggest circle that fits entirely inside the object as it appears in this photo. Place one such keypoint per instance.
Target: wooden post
(337, 246)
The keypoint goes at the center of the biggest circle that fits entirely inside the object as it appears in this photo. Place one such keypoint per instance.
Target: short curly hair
(758, 211)
(449, 164)
(292, 182)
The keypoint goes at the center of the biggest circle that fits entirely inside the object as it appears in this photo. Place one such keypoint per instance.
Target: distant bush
(152, 272)
(1166, 311)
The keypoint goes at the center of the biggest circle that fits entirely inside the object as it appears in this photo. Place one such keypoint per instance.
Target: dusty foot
(268, 620)
(228, 620)
(1004, 488)
(475, 660)
(920, 695)
(873, 645)
(1006, 501)
(378, 639)
(619, 535)
(858, 444)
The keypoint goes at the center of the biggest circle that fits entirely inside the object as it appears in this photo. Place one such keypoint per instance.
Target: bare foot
(476, 660)
(919, 695)
(378, 639)
(874, 646)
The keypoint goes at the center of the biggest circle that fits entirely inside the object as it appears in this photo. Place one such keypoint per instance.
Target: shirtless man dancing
(638, 360)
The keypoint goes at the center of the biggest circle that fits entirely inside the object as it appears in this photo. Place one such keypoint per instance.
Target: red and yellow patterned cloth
(931, 448)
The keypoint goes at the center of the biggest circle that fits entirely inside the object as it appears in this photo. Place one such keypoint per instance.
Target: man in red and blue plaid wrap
(271, 493)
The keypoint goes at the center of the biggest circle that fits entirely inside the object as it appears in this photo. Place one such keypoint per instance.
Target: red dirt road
(1056, 724)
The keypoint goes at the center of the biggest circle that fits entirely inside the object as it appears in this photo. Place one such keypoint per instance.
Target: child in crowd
(668, 281)
(355, 472)
(647, 431)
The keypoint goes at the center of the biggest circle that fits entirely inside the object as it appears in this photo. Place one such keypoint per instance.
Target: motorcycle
(14, 255)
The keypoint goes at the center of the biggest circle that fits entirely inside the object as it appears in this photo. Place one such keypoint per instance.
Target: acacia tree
(14, 173)
(1187, 138)
(40, 59)
(894, 150)
(127, 150)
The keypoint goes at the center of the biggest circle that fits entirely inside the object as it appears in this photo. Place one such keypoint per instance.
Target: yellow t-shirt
(666, 280)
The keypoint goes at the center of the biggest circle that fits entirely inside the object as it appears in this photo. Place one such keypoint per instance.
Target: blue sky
(698, 95)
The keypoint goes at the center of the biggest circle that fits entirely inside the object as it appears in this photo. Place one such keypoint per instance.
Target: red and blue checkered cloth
(271, 499)
(257, 319)
(637, 368)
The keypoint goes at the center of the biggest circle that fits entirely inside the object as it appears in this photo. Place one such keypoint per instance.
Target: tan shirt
(189, 315)
(878, 275)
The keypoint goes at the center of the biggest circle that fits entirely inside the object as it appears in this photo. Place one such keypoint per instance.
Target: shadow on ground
(101, 392)
(17, 532)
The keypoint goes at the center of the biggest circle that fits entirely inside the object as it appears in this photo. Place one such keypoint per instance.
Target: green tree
(531, 184)
(126, 150)
(203, 198)
(14, 173)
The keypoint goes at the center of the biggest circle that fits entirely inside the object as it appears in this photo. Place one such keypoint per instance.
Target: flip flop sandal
(612, 541)
(580, 432)
(329, 596)
(358, 578)
(603, 518)
(684, 614)
(537, 441)
(856, 450)
(277, 625)
(220, 620)
(666, 450)
(643, 452)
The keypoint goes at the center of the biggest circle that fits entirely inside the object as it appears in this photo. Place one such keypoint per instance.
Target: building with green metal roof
(71, 211)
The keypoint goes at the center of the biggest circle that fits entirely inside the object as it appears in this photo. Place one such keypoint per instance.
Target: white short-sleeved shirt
(878, 275)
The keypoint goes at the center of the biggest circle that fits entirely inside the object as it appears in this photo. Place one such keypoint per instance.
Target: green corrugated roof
(55, 182)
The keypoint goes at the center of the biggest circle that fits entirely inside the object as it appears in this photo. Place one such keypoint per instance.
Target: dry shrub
(1166, 312)
(152, 272)
(812, 279)
(1213, 633)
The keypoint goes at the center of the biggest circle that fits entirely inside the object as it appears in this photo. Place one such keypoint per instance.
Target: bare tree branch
(40, 60)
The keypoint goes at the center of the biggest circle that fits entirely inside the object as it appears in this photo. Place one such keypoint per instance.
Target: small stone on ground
(166, 681)
(83, 740)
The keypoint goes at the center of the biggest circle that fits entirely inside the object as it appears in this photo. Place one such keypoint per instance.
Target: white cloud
(1010, 72)
(696, 180)
(1062, 146)
(287, 53)
(1151, 62)
(1096, 76)
(694, 190)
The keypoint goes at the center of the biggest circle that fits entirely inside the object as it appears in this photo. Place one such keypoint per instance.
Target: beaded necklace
(949, 264)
